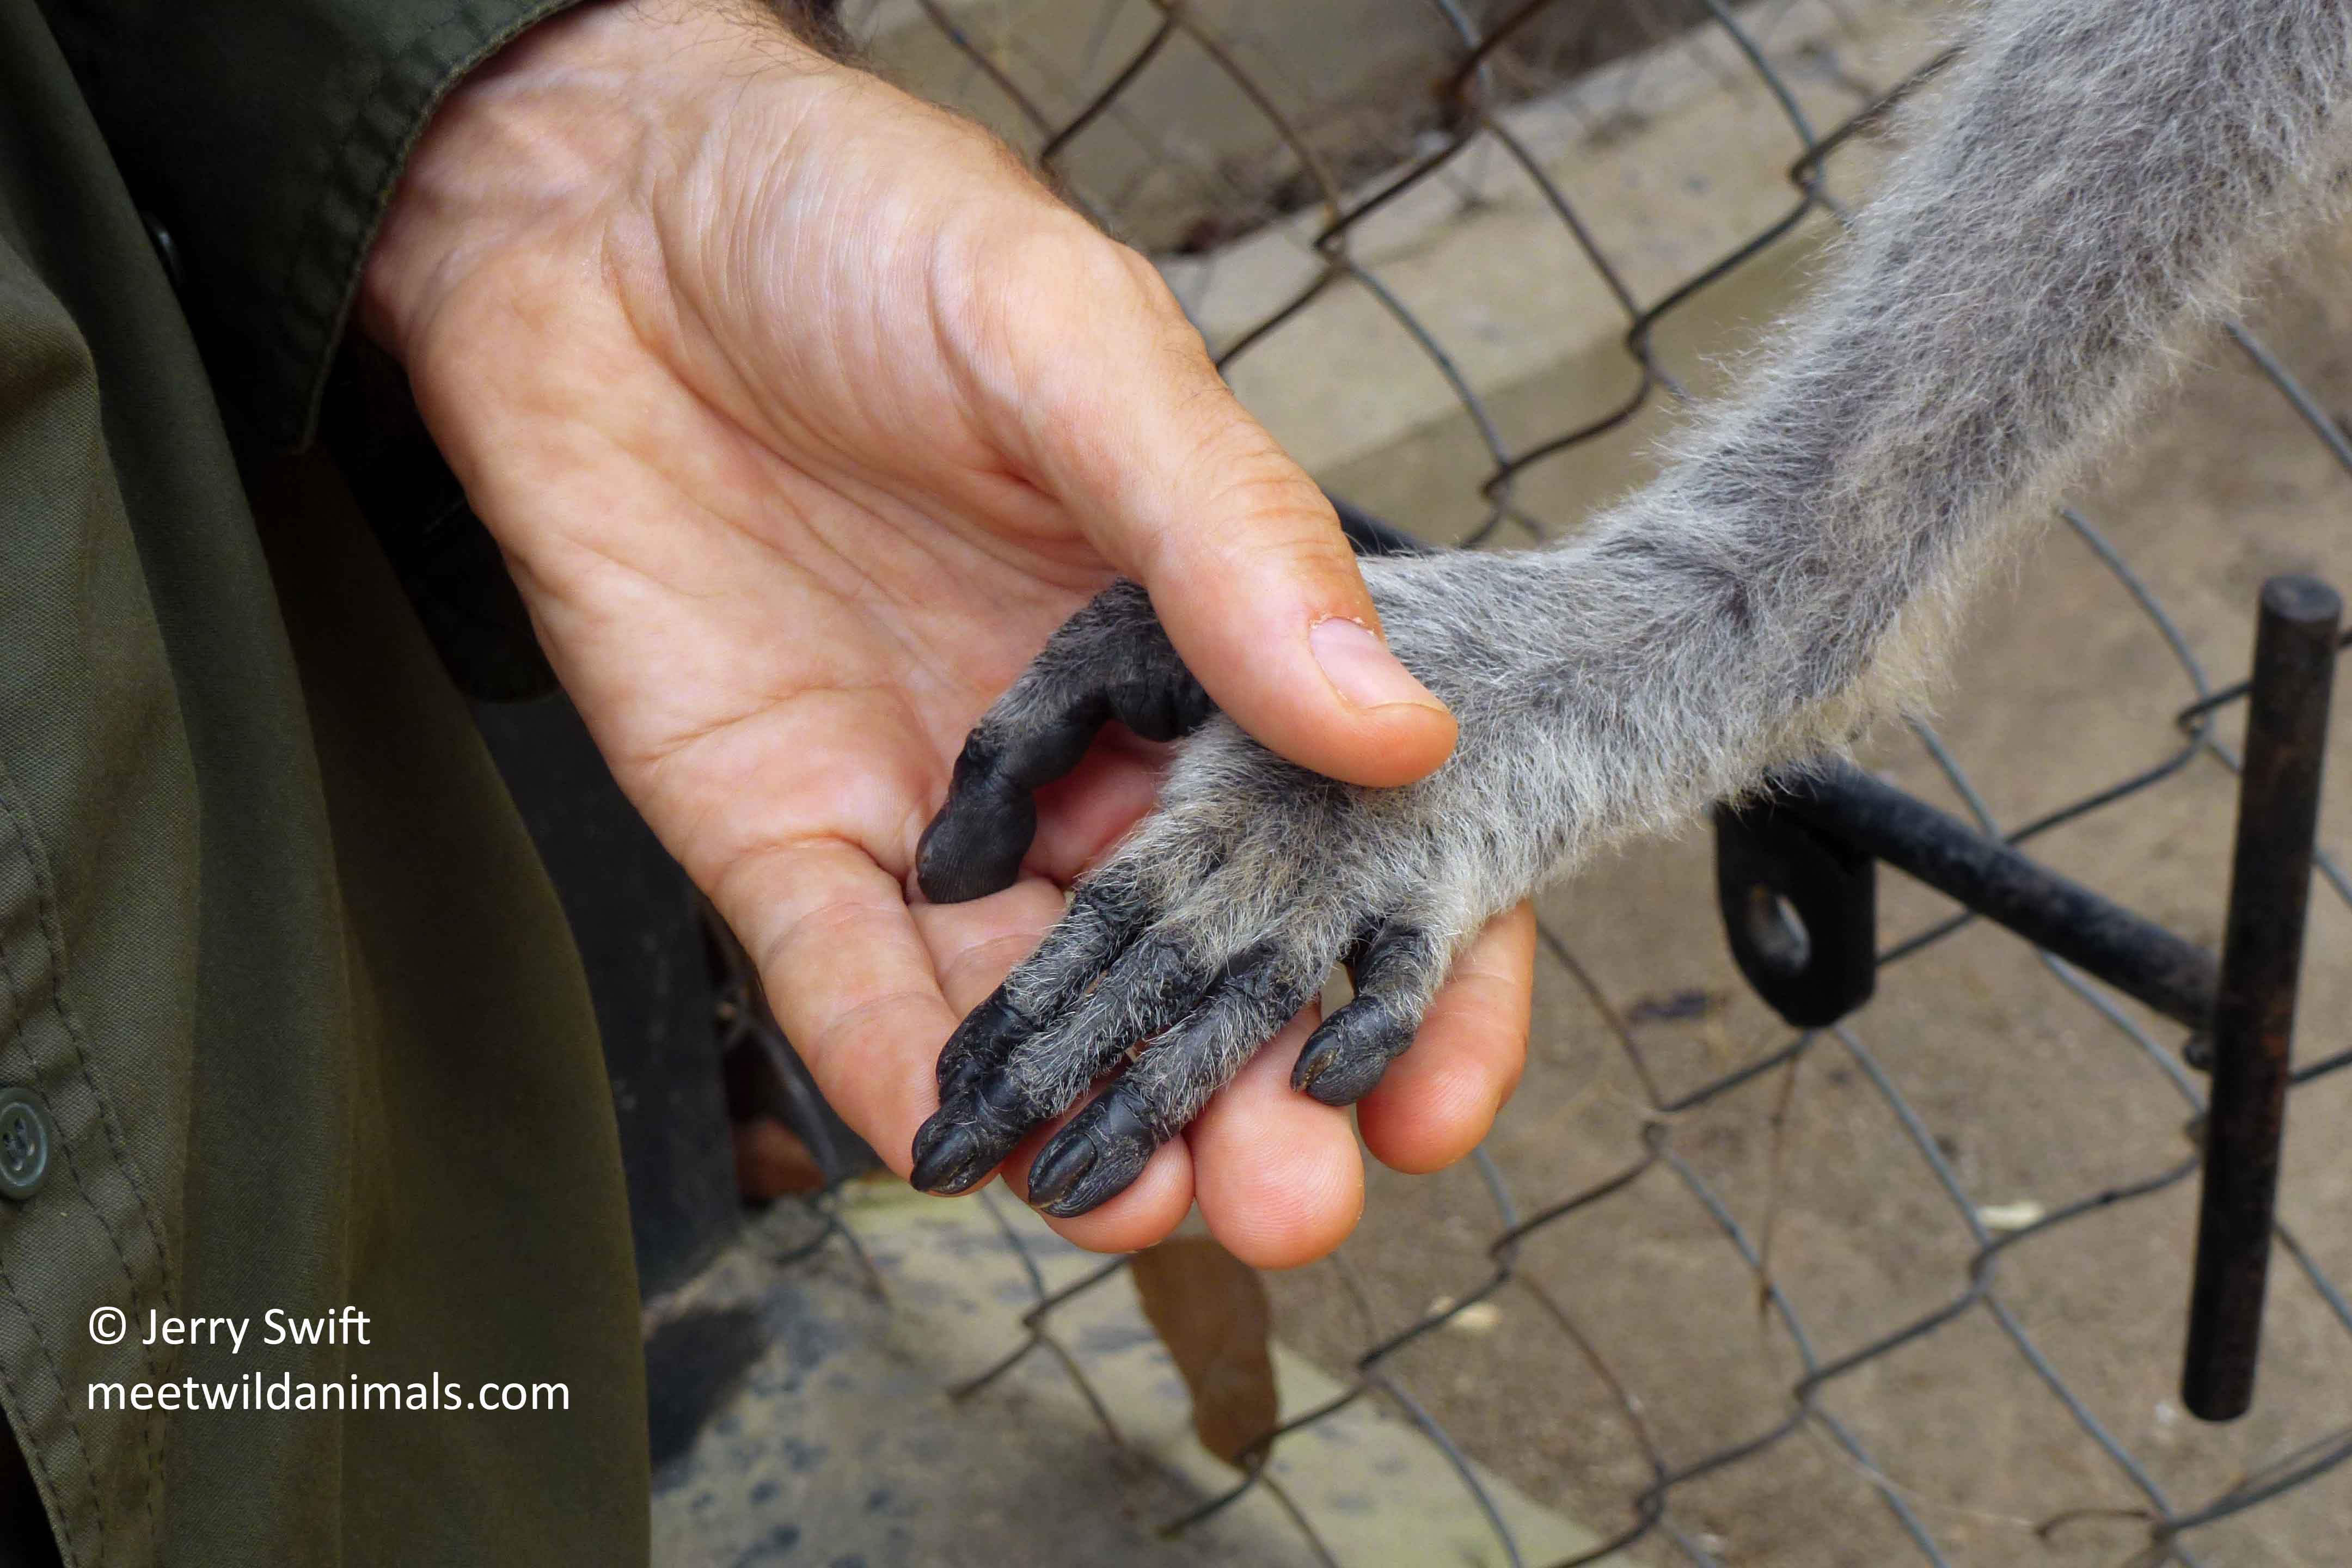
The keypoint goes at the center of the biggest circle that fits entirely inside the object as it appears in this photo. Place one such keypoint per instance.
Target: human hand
(803, 416)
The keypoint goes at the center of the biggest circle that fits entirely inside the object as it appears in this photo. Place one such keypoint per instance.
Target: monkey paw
(1219, 918)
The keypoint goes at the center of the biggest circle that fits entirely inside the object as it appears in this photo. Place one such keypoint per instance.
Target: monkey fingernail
(1057, 1170)
(1092, 1160)
(949, 1159)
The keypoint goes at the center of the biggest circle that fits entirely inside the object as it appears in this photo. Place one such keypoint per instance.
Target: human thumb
(1181, 489)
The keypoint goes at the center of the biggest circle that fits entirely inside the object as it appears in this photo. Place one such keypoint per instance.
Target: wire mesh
(1439, 123)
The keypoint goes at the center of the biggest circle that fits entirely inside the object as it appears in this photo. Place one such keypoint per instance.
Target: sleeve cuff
(265, 144)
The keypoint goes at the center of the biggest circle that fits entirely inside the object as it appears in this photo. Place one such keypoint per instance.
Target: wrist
(546, 148)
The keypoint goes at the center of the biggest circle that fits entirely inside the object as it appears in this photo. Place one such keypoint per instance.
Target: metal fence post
(2254, 1019)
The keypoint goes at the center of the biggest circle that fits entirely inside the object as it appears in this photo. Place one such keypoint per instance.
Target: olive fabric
(277, 964)
(264, 137)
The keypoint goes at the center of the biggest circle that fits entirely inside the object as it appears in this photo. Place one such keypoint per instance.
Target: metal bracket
(1845, 812)
(1801, 908)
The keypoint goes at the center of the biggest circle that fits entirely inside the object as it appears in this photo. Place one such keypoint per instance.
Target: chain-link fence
(1973, 1400)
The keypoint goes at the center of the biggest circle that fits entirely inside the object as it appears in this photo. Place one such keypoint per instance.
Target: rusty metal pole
(2253, 1017)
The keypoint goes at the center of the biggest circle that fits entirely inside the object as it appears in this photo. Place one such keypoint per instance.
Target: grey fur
(2090, 188)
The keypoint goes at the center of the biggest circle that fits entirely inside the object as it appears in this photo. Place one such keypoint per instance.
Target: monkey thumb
(1250, 574)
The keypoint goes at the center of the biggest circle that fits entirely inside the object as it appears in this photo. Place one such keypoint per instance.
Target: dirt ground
(2060, 686)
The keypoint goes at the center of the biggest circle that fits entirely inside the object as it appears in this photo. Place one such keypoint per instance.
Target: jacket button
(26, 1136)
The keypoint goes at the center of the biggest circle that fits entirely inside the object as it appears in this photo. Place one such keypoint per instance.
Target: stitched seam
(53, 930)
(73, 1425)
(304, 333)
(53, 934)
(81, 1189)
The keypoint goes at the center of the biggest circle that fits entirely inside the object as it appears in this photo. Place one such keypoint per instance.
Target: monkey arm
(2092, 185)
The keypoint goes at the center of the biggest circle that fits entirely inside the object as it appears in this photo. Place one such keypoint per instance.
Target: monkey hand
(1218, 918)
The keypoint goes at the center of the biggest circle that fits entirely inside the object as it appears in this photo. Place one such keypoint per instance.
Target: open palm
(803, 416)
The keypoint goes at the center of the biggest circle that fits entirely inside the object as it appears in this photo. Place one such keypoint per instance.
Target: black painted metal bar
(2128, 952)
(2253, 1017)
(1801, 911)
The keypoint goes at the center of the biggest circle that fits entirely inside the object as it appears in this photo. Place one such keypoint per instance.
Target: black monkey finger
(1110, 660)
(974, 846)
(1397, 972)
(1112, 1144)
(1105, 1146)
(962, 1143)
(1149, 987)
(1101, 924)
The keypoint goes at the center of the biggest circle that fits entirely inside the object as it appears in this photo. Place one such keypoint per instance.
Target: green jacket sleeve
(261, 140)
